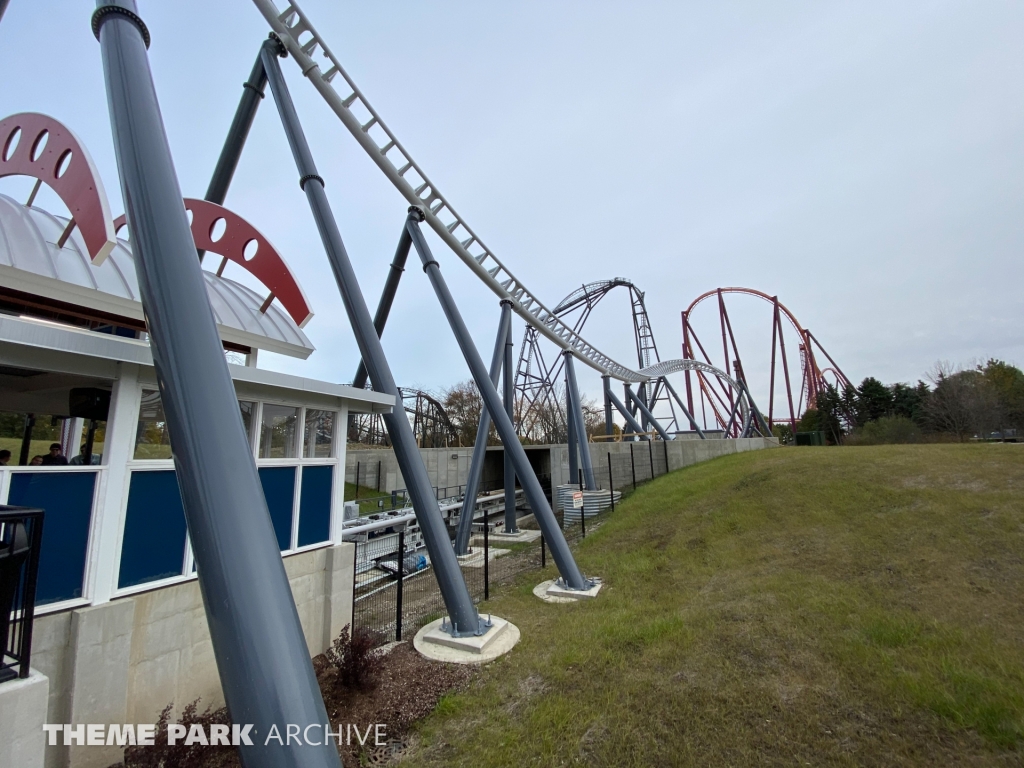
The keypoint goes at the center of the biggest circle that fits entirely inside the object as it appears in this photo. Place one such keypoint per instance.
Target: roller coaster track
(319, 65)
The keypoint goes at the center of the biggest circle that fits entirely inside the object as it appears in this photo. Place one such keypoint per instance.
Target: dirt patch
(407, 687)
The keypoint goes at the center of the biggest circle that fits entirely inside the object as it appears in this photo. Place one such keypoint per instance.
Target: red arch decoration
(266, 264)
(78, 184)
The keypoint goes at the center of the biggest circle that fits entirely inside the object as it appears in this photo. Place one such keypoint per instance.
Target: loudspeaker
(89, 403)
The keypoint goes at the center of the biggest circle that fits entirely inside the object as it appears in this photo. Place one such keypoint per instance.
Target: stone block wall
(124, 661)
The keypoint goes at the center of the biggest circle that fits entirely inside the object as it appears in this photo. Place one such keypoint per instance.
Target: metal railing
(395, 601)
(21, 533)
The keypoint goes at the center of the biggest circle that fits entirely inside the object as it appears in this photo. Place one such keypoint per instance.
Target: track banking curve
(311, 52)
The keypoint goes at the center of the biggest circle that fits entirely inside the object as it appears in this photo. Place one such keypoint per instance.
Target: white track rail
(321, 68)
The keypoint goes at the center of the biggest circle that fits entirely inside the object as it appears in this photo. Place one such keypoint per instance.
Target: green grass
(368, 498)
(805, 606)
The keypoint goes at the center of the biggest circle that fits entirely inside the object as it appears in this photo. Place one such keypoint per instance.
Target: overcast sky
(863, 161)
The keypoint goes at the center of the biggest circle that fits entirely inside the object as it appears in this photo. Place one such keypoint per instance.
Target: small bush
(886, 430)
(355, 658)
(161, 755)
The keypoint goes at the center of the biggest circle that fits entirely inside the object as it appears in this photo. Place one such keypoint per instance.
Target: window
(153, 441)
(279, 432)
(319, 434)
(248, 410)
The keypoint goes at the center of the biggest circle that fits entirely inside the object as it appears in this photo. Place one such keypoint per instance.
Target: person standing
(55, 458)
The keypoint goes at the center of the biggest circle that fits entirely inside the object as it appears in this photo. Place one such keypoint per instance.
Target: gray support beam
(510, 470)
(632, 408)
(686, 412)
(648, 416)
(606, 385)
(231, 152)
(538, 502)
(570, 430)
(641, 397)
(632, 423)
(252, 95)
(456, 596)
(258, 642)
(387, 298)
(754, 412)
(573, 393)
(476, 465)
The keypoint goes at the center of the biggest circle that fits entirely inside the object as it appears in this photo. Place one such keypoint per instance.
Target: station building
(120, 629)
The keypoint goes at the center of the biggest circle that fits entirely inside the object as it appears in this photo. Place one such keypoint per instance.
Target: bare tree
(963, 402)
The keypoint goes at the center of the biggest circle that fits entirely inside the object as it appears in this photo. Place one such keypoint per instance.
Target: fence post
(543, 558)
(357, 480)
(632, 465)
(487, 561)
(355, 570)
(378, 477)
(394, 499)
(665, 443)
(650, 451)
(401, 583)
(611, 483)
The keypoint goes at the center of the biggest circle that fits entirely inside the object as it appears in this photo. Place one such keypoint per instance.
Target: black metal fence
(21, 531)
(394, 595)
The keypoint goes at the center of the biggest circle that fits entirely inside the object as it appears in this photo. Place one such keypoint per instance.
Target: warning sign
(577, 499)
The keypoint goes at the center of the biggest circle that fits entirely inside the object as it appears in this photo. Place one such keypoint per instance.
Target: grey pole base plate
(436, 644)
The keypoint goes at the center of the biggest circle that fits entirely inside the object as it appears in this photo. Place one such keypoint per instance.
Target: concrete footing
(22, 714)
(522, 535)
(437, 644)
(551, 591)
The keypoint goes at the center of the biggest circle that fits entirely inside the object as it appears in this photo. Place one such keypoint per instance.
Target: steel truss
(430, 423)
(537, 395)
(813, 378)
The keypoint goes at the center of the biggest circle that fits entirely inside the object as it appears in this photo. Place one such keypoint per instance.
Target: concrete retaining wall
(124, 661)
(449, 467)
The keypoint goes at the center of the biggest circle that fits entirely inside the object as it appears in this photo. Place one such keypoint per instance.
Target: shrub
(355, 658)
(886, 430)
(161, 755)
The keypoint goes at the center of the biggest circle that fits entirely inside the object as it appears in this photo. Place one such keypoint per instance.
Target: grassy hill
(814, 606)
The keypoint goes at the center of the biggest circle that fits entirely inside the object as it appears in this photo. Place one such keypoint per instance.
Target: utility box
(351, 510)
(810, 438)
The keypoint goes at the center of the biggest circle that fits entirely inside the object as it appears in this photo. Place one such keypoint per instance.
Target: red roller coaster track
(813, 378)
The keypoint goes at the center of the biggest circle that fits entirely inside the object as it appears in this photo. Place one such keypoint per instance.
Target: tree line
(956, 403)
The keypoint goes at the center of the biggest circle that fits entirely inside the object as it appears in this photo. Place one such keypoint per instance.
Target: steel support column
(234, 142)
(510, 470)
(647, 414)
(252, 95)
(573, 394)
(606, 388)
(461, 610)
(261, 653)
(538, 502)
(632, 423)
(476, 465)
(686, 412)
(387, 298)
(570, 440)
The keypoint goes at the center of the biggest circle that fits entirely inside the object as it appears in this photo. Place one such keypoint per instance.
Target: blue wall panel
(153, 546)
(315, 505)
(279, 491)
(67, 499)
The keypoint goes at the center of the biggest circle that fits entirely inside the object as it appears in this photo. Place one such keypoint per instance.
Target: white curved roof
(30, 262)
